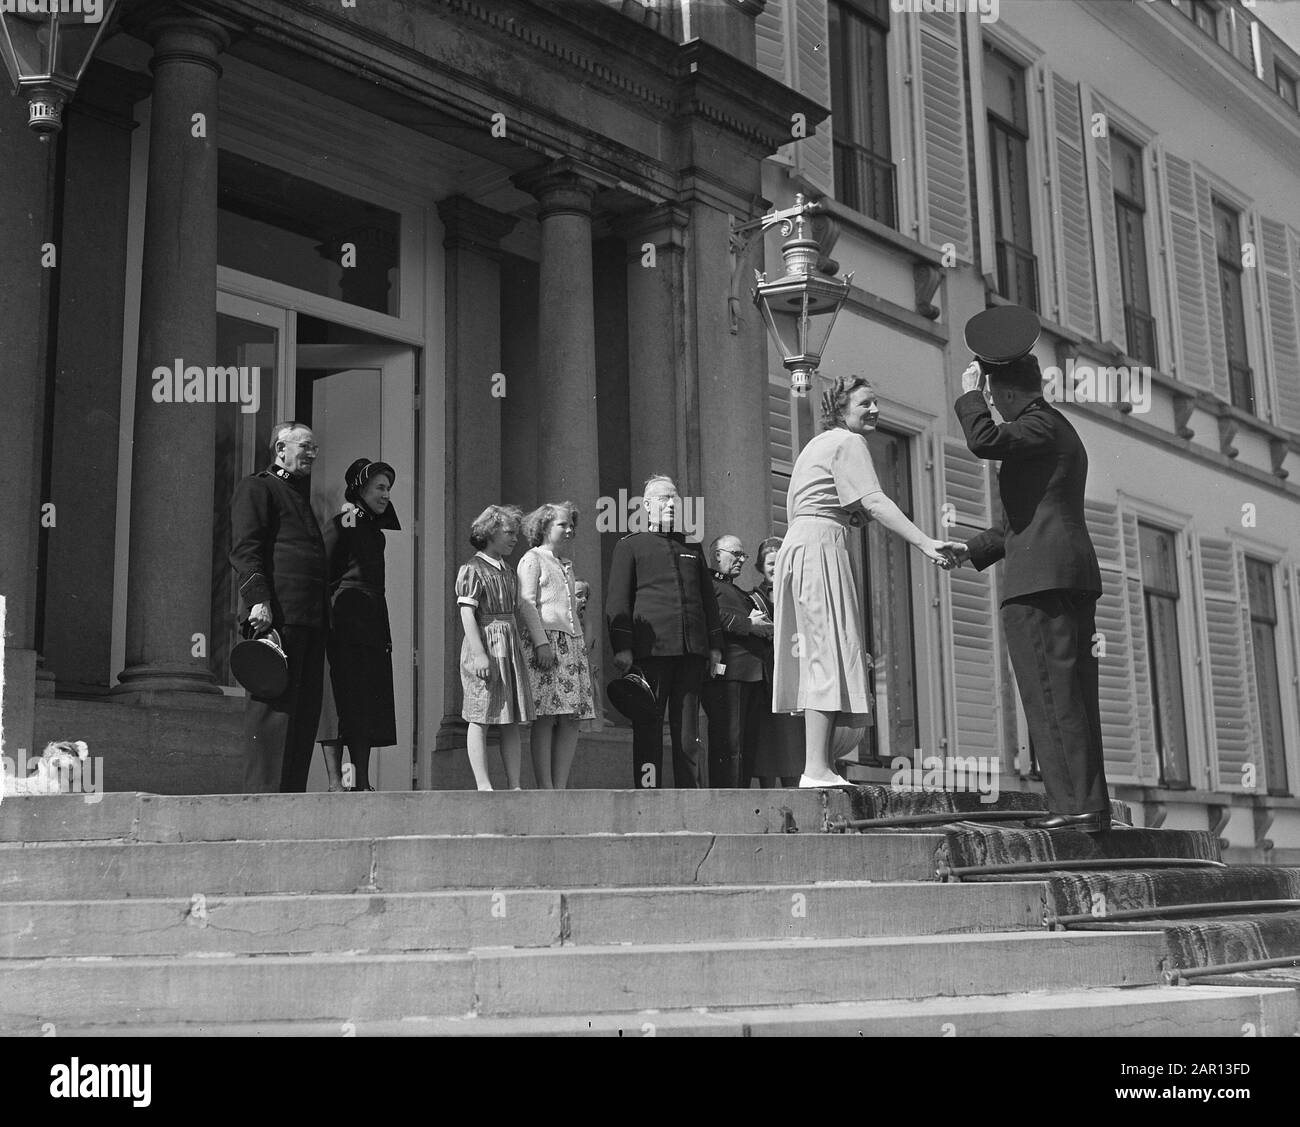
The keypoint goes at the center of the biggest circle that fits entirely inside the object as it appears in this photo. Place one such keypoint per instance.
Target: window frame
(1191, 643)
(860, 9)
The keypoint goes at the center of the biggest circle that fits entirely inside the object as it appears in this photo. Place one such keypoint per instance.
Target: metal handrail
(1206, 908)
(841, 824)
(1180, 977)
(946, 872)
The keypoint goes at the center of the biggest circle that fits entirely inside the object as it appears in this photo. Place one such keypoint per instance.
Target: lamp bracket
(740, 241)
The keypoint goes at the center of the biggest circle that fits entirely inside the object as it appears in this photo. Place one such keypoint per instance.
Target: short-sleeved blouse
(832, 472)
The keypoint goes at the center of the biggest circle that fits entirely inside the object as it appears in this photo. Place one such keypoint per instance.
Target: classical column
(27, 222)
(656, 344)
(568, 467)
(169, 593)
(474, 398)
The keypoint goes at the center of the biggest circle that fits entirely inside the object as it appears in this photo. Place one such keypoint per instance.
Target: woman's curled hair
(836, 399)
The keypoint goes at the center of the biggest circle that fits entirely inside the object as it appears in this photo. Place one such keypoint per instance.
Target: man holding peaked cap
(1051, 581)
(278, 553)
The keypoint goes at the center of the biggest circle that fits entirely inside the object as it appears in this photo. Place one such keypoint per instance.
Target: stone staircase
(584, 912)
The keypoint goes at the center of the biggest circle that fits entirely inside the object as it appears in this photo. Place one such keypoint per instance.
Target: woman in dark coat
(360, 644)
(779, 759)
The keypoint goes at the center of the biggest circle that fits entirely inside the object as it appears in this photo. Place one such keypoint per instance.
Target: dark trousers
(279, 734)
(1049, 637)
(735, 711)
(676, 683)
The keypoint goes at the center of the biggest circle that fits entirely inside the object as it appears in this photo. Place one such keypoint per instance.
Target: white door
(360, 400)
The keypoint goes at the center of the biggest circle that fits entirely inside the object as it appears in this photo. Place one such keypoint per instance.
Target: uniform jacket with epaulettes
(660, 601)
(277, 549)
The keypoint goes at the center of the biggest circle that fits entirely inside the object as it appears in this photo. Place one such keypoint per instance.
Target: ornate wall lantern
(46, 52)
(801, 305)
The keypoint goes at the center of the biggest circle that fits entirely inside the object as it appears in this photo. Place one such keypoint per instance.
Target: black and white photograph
(649, 518)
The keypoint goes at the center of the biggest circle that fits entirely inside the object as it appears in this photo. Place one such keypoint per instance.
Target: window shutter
(791, 46)
(1279, 301)
(780, 452)
(1071, 226)
(1143, 697)
(769, 40)
(943, 180)
(972, 613)
(1119, 722)
(1213, 302)
(1241, 37)
(1235, 740)
(1105, 234)
(1191, 308)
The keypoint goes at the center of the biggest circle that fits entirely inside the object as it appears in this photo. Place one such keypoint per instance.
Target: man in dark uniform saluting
(1051, 581)
(663, 614)
(278, 554)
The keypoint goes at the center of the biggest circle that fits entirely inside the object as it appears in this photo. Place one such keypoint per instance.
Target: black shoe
(1098, 821)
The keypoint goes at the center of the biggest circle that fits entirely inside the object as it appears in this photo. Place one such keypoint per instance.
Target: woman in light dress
(822, 660)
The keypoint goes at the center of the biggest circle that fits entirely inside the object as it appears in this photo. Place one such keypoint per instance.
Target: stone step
(575, 980)
(971, 844)
(1142, 1011)
(426, 921)
(1215, 940)
(251, 817)
(1074, 893)
(61, 871)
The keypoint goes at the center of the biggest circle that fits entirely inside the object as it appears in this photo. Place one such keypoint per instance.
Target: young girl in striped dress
(493, 668)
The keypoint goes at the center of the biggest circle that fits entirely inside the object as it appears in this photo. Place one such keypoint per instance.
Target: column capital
(562, 187)
(471, 226)
(663, 224)
(185, 35)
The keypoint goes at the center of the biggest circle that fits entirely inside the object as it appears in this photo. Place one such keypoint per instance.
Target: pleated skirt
(821, 656)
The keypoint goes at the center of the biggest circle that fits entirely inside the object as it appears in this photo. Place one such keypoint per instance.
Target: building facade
(495, 245)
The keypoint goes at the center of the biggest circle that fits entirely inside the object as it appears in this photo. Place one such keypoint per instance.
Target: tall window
(889, 609)
(1207, 16)
(1008, 124)
(1227, 238)
(865, 177)
(1263, 640)
(1286, 86)
(1160, 596)
(1130, 222)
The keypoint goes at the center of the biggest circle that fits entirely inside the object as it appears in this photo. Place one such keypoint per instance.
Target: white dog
(54, 769)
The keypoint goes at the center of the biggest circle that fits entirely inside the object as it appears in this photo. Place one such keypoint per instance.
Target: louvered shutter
(1119, 722)
(769, 41)
(791, 46)
(1234, 739)
(1213, 296)
(973, 615)
(1143, 697)
(1105, 234)
(1283, 341)
(943, 179)
(780, 452)
(1241, 37)
(1191, 307)
(1071, 225)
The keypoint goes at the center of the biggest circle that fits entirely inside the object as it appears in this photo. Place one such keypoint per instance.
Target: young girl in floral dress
(493, 668)
(562, 692)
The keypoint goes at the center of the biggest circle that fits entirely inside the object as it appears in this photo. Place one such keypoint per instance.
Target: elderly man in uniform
(734, 701)
(278, 553)
(662, 614)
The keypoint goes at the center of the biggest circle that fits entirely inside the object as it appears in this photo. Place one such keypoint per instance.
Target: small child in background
(493, 669)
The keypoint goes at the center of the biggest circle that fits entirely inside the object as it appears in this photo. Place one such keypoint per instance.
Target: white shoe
(808, 783)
